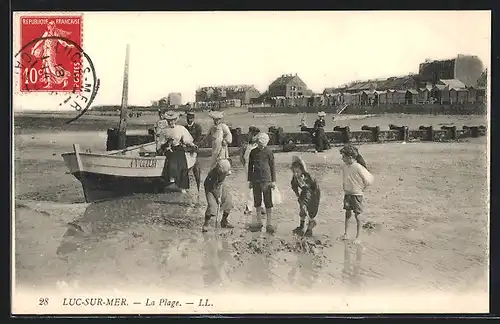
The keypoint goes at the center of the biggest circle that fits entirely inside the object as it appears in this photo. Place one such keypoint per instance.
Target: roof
(236, 87)
(395, 82)
(482, 80)
(441, 87)
(283, 80)
(366, 85)
(412, 91)
(458, 89)
(453, 83)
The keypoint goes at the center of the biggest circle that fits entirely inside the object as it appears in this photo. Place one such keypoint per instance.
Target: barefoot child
(308, 197)
(355, 179)
(217, 194)
(262, 178)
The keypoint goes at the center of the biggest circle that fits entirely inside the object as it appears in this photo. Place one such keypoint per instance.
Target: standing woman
(172, 142)
(221, 138)
(320, 139)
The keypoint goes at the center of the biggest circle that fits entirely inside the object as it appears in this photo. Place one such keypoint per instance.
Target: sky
(181, 51)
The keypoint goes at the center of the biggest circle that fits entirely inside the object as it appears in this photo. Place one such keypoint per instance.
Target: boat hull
(106, 176)
(98, 187)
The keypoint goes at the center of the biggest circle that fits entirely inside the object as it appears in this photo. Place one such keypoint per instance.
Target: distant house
(399, 83)
(362, 86)
(288, 86)
(244, 93)
(174, 99)
(466, 68)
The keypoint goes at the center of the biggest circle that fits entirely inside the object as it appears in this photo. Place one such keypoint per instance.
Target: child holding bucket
(262, 178)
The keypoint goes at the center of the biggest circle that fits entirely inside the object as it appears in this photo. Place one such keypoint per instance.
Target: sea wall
(339, 135)
(447, 109)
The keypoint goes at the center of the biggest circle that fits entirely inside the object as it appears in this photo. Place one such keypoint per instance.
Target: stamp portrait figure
(53, 73)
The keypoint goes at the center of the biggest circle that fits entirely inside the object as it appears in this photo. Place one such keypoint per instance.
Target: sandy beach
(427, 215)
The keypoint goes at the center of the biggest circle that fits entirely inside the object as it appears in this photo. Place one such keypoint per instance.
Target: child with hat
(218, 194)
(308, 196)
(244, 155)
(261, 179)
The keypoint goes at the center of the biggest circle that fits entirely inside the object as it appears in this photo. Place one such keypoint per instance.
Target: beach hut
(440, 93)
(411, 96)
(458, 95)
(399, 96)
(423, 95)
(471, 94)
(380, 97)
(366, 97)
(390, 96)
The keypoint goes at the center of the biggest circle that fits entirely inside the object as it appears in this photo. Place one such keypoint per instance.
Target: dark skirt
(176, 167)
(321, 141)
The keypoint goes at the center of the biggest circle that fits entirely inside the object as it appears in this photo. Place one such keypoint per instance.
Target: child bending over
(308, 196)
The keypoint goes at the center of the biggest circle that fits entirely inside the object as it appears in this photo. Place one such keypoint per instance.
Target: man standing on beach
(196, 132)
(193, 127)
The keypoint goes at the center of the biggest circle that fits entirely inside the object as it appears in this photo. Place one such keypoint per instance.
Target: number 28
(43, 301)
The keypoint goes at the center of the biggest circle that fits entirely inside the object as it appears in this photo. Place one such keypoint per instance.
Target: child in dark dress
(308, 196)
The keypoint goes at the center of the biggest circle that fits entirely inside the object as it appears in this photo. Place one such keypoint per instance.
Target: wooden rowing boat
(119, 173)
(122, 172)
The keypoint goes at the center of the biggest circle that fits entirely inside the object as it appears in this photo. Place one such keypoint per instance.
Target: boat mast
(122, 128)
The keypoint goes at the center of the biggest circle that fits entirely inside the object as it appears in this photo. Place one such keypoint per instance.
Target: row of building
(455, 80)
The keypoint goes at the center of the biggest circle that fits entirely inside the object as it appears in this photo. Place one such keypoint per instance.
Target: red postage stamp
(53, 45)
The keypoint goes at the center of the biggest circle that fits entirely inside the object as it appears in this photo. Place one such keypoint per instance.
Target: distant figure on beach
(218, 194)
(244, 156)
(53, 73)
(355, 179)
(303, 122)
(221, 137)
(320, 140)
(308, 194)
(172, 141)
(262, 179)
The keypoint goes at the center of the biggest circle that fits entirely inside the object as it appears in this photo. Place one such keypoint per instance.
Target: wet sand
(428, 206)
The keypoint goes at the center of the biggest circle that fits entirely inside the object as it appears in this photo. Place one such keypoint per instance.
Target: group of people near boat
(175, 140)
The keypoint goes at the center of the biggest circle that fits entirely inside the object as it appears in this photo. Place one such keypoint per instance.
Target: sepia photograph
(232, 162)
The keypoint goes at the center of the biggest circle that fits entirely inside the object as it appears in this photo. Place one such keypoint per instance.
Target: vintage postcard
(250, 162)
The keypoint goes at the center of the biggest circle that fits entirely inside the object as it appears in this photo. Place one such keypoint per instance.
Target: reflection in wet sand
(305, 271)
(217, 260)
(351, 271)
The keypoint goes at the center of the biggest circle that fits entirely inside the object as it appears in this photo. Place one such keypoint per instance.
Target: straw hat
(190, 113)
(296, 160)
(321, 114)
(171, 115)
(214, 114)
